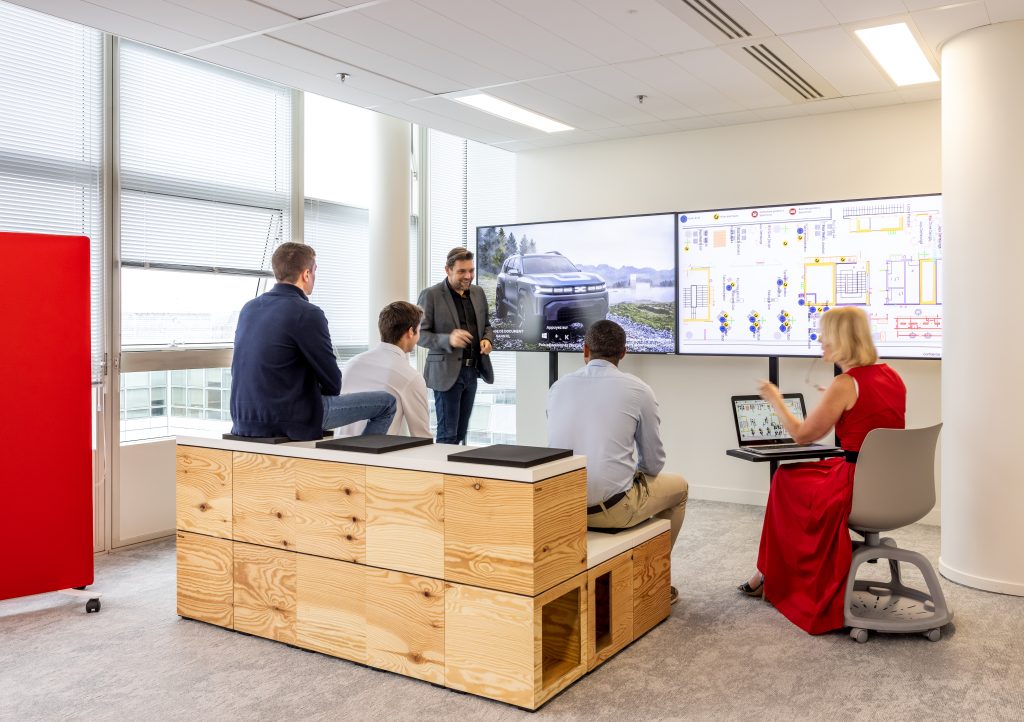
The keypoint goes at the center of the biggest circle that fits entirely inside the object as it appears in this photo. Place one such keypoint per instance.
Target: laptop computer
(760, 431)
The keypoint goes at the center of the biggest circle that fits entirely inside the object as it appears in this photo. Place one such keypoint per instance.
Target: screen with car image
(546, 283)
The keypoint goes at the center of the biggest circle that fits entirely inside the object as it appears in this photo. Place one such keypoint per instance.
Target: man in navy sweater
(285, 379)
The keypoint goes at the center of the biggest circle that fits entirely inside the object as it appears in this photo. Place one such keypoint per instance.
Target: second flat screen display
(546, 283)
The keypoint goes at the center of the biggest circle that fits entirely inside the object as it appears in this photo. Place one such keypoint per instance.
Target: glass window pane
(194, 410)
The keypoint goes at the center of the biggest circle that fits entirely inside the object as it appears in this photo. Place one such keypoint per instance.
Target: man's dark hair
(458, 254)
(290, 260)
(396, 318)
(606, 340)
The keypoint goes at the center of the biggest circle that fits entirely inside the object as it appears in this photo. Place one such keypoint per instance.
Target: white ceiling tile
(299, 58)
(875, 100)
(741, 118)
(347, 55)
(425, 24)
(914, 5)
(576, 24)
(502, 25)
(243, 13)
(920, 93)
(651, 23)
(848, 11)
(447, 108)
(229, 57)
(781, 112)
(617, 110)
(792, 15)
(698, 123)
(659, 105)
(300, 8)
(177, 17)
(446, 67)
(668, 77)
(417, 113)
(722, 72)
(828, 105)
(841, 60)
(117, 23)
(939, 25)
(517, 145)
(531, 98)
(620, 131)
(1001, 11)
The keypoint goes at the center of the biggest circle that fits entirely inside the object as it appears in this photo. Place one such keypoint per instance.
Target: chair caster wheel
(933, 635)
(859, 635)
(93, 605)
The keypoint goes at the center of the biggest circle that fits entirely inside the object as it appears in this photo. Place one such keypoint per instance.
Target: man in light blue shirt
(611, 417)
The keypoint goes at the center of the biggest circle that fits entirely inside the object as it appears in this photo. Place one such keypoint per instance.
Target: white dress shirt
(610, 417)
(386, 368)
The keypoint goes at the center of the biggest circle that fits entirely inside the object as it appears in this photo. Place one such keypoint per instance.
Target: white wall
(858, 154)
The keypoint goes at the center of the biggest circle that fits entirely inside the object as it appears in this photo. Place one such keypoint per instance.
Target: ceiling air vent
(722, 21)
(778, 67)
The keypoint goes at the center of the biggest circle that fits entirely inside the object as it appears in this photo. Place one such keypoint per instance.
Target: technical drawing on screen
(756, 281)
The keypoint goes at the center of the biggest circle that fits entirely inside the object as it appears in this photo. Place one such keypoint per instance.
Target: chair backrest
(894, 484)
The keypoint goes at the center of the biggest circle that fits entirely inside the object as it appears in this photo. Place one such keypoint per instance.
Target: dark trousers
(454, 407)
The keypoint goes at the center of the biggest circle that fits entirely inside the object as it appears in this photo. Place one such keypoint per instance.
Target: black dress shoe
(750, 591)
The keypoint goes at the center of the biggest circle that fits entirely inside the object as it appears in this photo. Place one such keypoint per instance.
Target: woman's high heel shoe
(750, 591)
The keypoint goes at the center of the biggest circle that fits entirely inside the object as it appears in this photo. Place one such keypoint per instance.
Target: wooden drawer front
(265, 592)
(330, 614)
(405, 624)
(405, 521)
(610, 608)
(560, 529)
(652, 573)
(315, 507)
(203, 491)
(205, 588)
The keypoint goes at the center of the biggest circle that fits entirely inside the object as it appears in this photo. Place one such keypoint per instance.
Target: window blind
(205, 164)
(341, 236)
(51, 138)
(446, 198)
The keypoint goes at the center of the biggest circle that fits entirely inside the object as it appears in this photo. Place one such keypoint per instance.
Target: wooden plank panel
(560, 638)
(489, 533)
(264, 498)
(205, 588)
(330, 607)
(203, 491)
(488, 644)
(405, 624)
(560, 529)
(265, 592)
(610, 607)
(652, 573)
(329, 513)
(405, 521)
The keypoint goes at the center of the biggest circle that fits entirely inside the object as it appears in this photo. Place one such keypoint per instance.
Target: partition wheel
(859, 635)
(933, 635)
(93, 605)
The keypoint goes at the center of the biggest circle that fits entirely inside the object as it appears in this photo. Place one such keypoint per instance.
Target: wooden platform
(478, 583)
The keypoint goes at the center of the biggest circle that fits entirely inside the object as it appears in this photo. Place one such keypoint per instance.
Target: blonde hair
(847, 330)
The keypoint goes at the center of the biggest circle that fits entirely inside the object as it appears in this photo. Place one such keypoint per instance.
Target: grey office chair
(894, 486)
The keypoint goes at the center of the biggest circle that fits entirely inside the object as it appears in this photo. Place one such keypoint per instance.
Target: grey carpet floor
(719, 656)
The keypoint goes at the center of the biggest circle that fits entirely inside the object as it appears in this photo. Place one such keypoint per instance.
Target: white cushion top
(602, 547)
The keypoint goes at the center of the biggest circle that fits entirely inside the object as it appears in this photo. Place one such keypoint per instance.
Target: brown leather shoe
(673, 595)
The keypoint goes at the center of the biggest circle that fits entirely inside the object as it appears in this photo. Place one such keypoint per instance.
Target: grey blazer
(440, 318)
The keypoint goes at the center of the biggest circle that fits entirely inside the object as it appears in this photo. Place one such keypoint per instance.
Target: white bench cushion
(602, 547)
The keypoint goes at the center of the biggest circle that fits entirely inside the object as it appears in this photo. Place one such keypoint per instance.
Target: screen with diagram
(755, 281)
(756, 420)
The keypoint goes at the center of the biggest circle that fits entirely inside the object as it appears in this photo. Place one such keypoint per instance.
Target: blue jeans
(377, 406)
(454, 407)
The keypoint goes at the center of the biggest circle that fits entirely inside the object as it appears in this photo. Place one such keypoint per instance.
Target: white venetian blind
(446, 198)
(205, 159)
(341, 236)
(51, 138)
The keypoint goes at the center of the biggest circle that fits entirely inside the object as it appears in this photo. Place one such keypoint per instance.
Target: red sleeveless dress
(805, 546)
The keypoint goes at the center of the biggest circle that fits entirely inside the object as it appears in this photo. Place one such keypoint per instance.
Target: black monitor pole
(773, 376)
(552, 368)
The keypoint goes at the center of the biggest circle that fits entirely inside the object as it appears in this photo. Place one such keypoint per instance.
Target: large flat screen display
(547, 282)
(755, 281)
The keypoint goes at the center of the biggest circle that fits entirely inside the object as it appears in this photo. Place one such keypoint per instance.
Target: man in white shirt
(611, 417)
(387, 368)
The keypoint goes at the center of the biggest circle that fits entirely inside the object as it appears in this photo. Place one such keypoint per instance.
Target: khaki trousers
(667, 500)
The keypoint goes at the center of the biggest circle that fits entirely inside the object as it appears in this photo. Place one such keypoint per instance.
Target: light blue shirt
(610, 417)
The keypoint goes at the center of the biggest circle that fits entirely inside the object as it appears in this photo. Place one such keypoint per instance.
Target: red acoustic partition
(45, 420)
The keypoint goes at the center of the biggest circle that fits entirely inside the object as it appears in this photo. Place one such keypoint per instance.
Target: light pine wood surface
(203, 491)
(651, 581)
(405, 521)
(205, 574)
(330, 614)
(405, 624)
(265, 596)
(615, 610)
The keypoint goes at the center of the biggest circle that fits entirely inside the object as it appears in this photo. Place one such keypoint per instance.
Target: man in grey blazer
(458, 335)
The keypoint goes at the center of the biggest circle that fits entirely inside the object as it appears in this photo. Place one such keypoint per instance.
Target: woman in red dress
(805, 546)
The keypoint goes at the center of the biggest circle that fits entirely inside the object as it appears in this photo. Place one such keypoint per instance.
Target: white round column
(983, 306)
(389, 216)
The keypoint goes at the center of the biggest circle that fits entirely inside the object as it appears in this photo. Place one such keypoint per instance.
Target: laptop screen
(757, 423)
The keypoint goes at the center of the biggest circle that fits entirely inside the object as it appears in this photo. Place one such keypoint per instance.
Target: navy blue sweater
(283, 363)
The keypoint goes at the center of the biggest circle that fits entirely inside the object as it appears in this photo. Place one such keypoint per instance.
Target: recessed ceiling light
(508, 111)
(899, 54)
